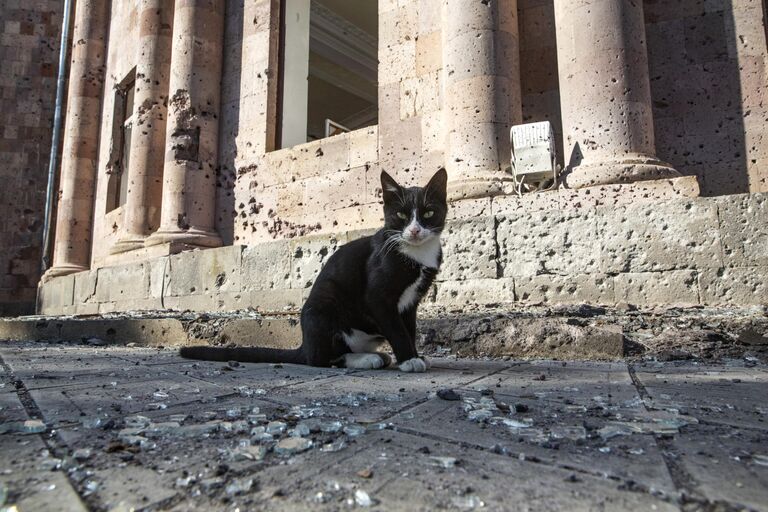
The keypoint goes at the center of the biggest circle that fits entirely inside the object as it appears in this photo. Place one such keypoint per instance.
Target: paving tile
(407, 477)
(31, 484)
(633, 457)
(720, 461)
(373, 396)
(560, 462)
(717, 394)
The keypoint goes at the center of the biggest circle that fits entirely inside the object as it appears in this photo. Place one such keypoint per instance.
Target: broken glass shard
(300, 430)
(136, 421)
(445, 462)
(82, 454)
(354, 430)
(239, 486)
(291, 445)
(470, 502)
(362, 498)
(480, 415)
(335, 446)
(331, 426)
(276, 427)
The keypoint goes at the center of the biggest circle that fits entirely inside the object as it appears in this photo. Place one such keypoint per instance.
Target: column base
(62, 270)
(194, 237)
(480, 186)
(127, 244)
(625, 170)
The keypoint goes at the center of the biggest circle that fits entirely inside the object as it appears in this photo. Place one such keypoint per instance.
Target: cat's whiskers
(391, 242)
(386, 241)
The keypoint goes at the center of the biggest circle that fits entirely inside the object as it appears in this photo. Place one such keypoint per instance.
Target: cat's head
(416, 214)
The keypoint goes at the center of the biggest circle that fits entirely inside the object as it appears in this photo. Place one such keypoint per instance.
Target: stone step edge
(574, 332)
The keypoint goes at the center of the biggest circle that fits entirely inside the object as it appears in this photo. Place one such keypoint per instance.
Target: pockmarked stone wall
(666, 91)
(622, 246)
(708, 63)
(29, 50)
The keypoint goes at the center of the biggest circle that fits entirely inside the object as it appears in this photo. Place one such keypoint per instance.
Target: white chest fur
(410, 295)
(427, 254)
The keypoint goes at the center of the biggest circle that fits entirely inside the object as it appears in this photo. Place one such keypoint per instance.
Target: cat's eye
(429, 214)
(401, 215)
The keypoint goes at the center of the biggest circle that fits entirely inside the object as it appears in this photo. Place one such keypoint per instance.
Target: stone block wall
(29, 50)
(623, 245)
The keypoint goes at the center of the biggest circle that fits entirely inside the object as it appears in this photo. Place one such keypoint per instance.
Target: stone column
(147, 152)
(74, 217)
(605, 93)
(191, 142)
(482, 93)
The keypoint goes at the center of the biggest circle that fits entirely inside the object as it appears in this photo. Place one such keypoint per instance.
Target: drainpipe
(53, 163)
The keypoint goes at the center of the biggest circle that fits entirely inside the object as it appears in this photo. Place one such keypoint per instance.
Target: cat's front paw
(415, 365)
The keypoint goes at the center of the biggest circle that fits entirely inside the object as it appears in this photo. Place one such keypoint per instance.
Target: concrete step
(566, 332)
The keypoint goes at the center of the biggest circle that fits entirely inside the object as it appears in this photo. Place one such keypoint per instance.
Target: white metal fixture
(533, 157)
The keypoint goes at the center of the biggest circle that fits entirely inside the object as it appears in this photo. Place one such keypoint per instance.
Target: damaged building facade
(216, 152)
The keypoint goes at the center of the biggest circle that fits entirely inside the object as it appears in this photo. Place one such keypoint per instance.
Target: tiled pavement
(136, 428)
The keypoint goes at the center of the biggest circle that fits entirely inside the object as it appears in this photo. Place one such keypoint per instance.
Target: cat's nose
(415, 231)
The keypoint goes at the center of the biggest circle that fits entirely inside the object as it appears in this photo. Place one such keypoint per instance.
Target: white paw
(415, 365)
(363, 361)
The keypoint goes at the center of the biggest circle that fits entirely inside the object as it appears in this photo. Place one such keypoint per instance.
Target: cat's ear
(438, 185)
(389, 186)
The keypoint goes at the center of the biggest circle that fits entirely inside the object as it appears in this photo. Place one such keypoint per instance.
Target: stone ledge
(576, 331)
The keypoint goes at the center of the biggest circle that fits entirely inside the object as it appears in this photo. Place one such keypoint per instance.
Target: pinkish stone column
(191, 143)
(605, 93)
(482, 93)
(147, 152)
(74, 217)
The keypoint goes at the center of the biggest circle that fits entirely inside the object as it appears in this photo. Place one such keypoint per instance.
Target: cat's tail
(245, 354)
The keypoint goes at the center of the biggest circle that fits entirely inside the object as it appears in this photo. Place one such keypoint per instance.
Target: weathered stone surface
(266, 266)
(469, 250)
(308, 255)
(653, 237)
(623, 194)
(85, 286)
(657, 288)
(657, 253)
(205, 272)
(744, 229)
(58, 292)
(575, 289)
(272, 301)
(122, 283)
(553, 242)
(277, 333)
(737, 286)
(476, 291)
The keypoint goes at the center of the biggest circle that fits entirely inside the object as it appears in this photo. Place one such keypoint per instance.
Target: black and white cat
(368, 291)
